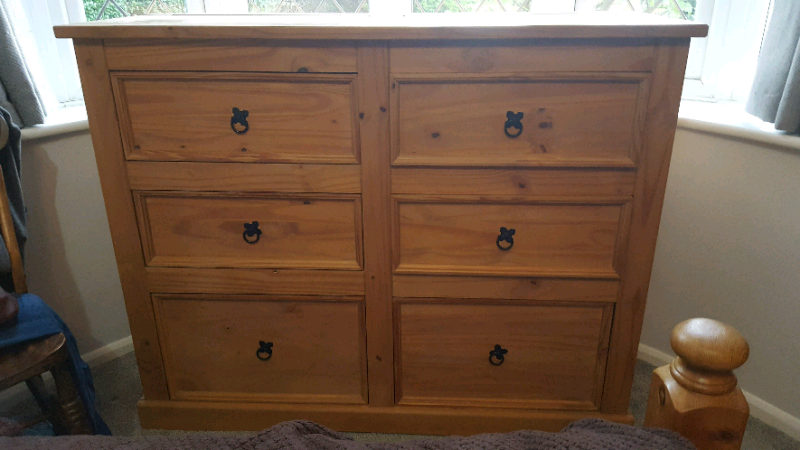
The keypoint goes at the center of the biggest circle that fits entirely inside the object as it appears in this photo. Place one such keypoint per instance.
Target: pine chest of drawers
(404, 227)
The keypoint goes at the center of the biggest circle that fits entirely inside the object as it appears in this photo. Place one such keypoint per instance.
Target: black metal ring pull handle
(250, 231)
(265, 348)
(506, 235)
(498, 354)
(514, 120)
(240, 118)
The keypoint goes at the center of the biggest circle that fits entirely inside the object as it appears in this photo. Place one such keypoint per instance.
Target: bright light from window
(677, 9)
(108, 9)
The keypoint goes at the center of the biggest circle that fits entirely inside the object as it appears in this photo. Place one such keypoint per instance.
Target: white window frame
(726, 68)
(720, 67)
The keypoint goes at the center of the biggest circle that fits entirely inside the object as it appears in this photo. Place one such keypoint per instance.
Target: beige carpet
(118, 390)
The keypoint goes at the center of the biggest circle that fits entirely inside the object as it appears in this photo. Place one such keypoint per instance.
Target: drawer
(521, 56)
(182, 116)
(472, 237)
(245, 55)
(514, 182)
(467, 121)
(501, 353)
(507, 288)
(250, 230)
(313, 351)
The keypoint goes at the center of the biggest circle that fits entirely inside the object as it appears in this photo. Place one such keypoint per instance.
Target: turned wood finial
(696, 394)
(708, 352)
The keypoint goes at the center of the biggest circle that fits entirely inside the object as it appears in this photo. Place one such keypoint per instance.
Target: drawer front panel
(210, 347)
(508, 288)
(182, 280)
(572, 55)
(245, 55)
(554, 355)
(256, 231)
(476, 122)
(205, 176)
(508, 182)
(277, 118)
(507, 239)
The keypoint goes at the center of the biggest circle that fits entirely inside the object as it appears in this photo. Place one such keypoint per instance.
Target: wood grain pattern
(10, 240)
(255, 281)
(189, 176)
(70, 417)
(407, 138)
(707, 345)
(30, 359)
(442, 237)
(429, 420)
(623, 238)
(110, 159)
(542, 183)
(697, 394)
(710, 422)
(576, 290)
(186, 116)
(517, 56)
(210, 344)
(555, 353)
(27, 362)
(206, 230)
(371, 27)
(226, 55)
(567, 120)
(373, 101)
(651, 180)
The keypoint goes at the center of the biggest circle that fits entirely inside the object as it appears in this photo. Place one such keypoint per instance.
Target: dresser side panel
(648, 199)
(110, 159)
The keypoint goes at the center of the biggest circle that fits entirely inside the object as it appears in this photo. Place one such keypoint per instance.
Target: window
(720, 67)
(725, 67)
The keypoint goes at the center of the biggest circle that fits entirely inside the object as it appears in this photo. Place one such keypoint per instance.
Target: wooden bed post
(696, 395)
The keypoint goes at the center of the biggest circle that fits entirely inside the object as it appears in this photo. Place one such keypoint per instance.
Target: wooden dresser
(416, 225)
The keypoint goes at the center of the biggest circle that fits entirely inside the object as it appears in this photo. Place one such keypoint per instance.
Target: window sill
(61, 121)
(731, 121)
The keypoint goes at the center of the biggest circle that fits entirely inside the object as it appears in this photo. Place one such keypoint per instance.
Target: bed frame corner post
(697, 395)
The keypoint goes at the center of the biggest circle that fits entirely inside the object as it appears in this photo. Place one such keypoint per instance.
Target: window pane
(308, 6)
(456, 6)
(677, 9)
(110, 9)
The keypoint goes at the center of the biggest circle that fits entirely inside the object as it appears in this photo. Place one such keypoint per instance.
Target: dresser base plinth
(218, 416)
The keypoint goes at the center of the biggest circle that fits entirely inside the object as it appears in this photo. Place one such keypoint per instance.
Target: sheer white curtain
(23, 91)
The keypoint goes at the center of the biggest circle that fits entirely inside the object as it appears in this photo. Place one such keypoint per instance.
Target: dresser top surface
(597, 25)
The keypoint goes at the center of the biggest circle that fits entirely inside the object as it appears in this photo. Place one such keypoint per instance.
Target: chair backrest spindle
(10, 238)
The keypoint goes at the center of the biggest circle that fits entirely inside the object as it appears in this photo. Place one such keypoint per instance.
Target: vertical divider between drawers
(373, 104)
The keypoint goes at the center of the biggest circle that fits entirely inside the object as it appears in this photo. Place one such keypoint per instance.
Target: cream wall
(69, 258)
(728, 248)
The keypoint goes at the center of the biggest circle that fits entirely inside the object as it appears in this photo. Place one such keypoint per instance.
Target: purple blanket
(586, 434)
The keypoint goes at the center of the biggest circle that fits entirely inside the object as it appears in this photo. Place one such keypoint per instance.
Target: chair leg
(43, 397)
(71, 415)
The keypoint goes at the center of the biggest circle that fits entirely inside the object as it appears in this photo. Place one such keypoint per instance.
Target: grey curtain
(775, 95)
(18, 93)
